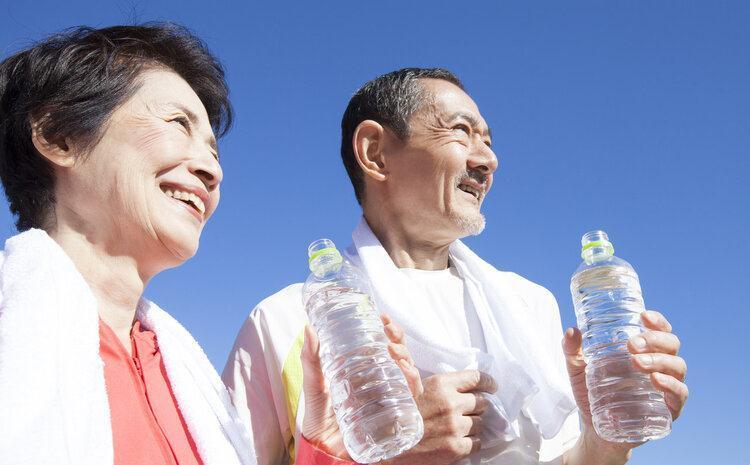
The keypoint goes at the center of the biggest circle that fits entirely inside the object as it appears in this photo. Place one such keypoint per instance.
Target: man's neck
(406, 247)
(113, 278)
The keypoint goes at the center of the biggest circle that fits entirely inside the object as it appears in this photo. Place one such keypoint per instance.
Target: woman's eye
(182, 121)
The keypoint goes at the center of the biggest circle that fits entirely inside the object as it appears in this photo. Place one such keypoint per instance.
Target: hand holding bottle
(319, 425)
(654, 352)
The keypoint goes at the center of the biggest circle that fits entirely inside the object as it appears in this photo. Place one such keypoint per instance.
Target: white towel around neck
(515, 356)
(53, 396)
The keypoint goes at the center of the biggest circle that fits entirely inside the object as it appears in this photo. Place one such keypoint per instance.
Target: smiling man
(497, 388)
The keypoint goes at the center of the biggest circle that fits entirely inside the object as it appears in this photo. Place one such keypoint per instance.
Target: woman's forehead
(163, 90)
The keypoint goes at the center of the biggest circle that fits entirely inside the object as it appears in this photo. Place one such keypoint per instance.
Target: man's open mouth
(477, 193)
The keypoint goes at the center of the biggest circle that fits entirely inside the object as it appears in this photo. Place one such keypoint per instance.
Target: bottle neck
(326, 265)
(596, 247)
(597, 254)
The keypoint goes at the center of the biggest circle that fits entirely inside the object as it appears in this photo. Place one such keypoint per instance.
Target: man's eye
(463, 128)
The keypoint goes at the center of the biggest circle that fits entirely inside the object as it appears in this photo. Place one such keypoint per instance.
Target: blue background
(633, 117)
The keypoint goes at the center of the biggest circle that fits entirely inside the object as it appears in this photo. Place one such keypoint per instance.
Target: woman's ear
(58, 152)
(369, 143)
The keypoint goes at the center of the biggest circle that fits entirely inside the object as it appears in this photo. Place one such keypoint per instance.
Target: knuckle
(448, 405)
(433, 383)
(455, 447)
(454, 425)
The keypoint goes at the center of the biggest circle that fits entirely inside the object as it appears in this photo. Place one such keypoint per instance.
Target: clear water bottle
(376, 412)
(625, 405)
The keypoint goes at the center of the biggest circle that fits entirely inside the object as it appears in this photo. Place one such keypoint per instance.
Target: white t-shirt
(448, 305)
(459, 322)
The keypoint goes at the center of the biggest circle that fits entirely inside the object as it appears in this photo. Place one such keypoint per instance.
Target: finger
(399, 352)
(655, 320)
(671, 365)
(572, 347)
(471, 380)
(476, 426)
(462, 447)
(386, 319)
(476, 444)
(395, 333)
(313, 381)
(471, 403)
(463, 425)
(413, 379)
(311, 345)
(654, 342)
(675, 392)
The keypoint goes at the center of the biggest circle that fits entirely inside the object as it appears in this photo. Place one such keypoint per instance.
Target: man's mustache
(476, 175)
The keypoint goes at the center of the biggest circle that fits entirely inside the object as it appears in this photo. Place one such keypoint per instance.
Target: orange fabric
(307, 454)
(147, 427)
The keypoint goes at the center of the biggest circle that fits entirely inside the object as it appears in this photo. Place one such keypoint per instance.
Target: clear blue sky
(633, 117)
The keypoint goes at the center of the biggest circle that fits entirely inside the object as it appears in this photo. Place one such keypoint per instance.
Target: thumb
(572, 341)
(313, 382)
(572, 347)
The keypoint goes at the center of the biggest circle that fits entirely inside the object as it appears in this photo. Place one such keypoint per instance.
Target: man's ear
(58, 152)
(369, 143)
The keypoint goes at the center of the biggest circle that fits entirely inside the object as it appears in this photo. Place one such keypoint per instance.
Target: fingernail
(569, 332)
(645, 360)
(639, 342)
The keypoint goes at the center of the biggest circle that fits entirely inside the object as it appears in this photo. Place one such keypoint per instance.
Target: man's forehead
(449, 102)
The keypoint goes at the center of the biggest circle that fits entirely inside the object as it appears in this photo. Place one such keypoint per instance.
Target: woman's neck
(113, 277)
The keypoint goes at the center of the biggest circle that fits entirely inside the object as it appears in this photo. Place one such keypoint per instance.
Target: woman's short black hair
(70, 83)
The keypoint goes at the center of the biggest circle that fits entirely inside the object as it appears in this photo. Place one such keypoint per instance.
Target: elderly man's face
(152, 181)
(444, 170)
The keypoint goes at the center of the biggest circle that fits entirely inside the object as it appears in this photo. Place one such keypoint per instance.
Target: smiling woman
(108, 157)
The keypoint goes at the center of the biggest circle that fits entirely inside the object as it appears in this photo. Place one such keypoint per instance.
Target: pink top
(307, 454)
(147, 427)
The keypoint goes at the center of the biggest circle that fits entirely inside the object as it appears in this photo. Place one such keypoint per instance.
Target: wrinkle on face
(436, 161)
(431, 124)
(140, 144)
(150, 127)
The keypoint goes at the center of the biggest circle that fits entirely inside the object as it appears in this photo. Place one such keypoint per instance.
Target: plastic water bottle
(625, 405)
(376, 412)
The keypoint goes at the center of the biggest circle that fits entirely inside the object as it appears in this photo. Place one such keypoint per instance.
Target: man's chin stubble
(471, 225)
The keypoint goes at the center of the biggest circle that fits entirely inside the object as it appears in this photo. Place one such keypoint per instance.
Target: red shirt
(147, 427)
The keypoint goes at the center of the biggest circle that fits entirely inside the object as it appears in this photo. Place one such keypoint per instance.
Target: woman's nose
(207, 168)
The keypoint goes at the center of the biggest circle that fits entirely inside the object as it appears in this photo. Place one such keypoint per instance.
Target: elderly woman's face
(152, 182)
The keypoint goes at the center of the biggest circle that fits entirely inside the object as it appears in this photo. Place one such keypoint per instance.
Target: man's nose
(483, 159)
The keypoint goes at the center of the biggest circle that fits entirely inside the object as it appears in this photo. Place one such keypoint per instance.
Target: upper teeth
(470, 190)
(188, 196)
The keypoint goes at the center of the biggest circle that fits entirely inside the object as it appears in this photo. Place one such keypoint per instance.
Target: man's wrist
(593, 450)
(604, 452)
